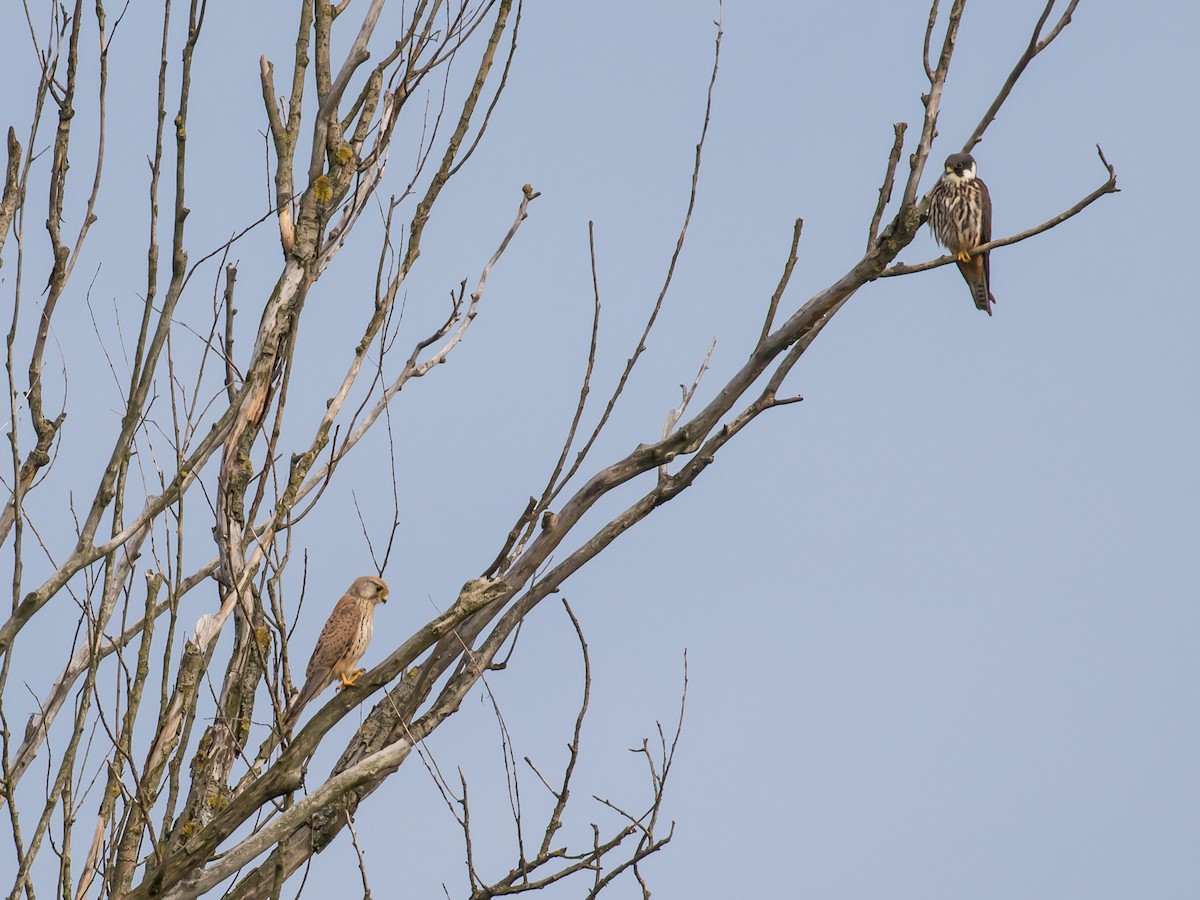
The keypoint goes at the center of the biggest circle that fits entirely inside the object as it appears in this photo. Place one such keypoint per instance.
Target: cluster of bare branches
(549, 864)
(181, 804)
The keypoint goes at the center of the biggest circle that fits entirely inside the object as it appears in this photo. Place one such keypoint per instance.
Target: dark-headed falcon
(960, 217)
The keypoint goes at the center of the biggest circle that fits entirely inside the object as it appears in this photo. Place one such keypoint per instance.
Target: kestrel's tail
(311, 688)
(975, 273)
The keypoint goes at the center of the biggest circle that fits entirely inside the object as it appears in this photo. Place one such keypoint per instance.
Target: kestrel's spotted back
(342, 643)
(960, 217)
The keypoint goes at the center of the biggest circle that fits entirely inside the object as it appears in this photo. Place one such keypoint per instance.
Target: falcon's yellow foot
(963, 256)
(349, 680)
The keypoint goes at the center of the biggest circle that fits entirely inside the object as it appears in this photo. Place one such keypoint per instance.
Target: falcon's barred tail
(975, 273)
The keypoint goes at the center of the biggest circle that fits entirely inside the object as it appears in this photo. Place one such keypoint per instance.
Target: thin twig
(362, 863)
(1036, 46)
(784, 279)
(662, 294)
(885, 190)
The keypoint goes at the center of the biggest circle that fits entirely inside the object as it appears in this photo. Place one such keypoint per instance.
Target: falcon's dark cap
(959, 162)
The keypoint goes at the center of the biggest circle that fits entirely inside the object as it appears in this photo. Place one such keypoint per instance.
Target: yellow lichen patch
(322, 190)
(217, 801)
(344, 154)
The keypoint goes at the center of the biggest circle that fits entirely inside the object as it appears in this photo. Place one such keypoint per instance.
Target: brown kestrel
(342, 643)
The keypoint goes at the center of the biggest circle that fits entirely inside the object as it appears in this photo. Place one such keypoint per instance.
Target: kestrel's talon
(963, 256)
(349, 680)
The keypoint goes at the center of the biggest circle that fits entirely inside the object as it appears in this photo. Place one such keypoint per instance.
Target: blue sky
(941, 617)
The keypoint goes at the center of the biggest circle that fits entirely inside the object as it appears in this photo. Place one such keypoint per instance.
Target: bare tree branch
(1036, 45)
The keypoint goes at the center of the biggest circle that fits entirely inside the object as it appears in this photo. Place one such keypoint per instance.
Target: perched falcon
(342, 643)
(960, 217)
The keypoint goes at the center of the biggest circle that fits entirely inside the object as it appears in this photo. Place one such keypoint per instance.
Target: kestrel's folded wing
(335, 641)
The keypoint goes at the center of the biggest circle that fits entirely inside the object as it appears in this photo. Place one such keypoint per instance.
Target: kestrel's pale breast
(344, 639)
(360, 640)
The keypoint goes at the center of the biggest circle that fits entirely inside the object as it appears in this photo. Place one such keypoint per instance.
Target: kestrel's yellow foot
(349, 680)
(963, 256)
